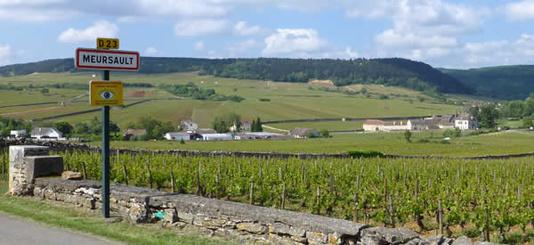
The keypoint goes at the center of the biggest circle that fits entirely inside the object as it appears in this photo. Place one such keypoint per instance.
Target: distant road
(14, 230)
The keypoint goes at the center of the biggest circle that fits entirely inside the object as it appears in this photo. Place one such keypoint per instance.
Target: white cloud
(199, 46)
(293, 43)
(421, 29)
(370, 9)
(151, 51)
(5, 54)
(243, 29)
(520, 10)
(199, 27)
(98, 29)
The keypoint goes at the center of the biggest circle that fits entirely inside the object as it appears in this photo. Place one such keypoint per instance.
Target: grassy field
(391, 143)
(265, 99)
(331, 125)
(91, 223)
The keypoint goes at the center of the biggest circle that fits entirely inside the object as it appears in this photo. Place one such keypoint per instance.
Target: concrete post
(27, 162)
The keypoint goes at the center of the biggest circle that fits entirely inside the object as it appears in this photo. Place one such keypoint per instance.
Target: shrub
(365, 154)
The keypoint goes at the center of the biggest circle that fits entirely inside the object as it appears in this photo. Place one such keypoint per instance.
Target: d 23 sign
(106, 93)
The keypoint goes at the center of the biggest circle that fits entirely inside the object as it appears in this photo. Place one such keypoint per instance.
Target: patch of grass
(510, 142)
(47, 213)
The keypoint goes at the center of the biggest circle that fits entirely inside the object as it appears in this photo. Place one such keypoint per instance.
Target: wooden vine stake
(125, 173)
(283, 197)
(251, 194)
(440, 218)
(173, 182)
(84, 171)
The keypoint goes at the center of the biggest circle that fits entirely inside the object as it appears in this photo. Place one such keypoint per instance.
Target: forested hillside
(502, 82)
(398, 72)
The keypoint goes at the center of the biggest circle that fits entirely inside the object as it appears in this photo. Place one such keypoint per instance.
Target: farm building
(46, 133)
(217, 137)
(259, 135)
(131, 134)
(188, 125)
(465, 122)
(379, 125)
(177, 136)
(304, 133)
(18, 133)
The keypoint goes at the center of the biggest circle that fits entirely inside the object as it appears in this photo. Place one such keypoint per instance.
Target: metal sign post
(106, 94)
(105, 155)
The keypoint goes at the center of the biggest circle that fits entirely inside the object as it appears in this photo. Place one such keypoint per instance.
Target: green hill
(393, 72)
(501, 82)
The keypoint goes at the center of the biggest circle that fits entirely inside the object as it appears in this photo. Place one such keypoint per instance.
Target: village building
(133, 134)
(462, 122)
(379, 125)
(246, 126)
(18, 134)
(217, 137)
(46, 133)
(304, 133)
(177, 136)
(259, 135)
(188, 125)
(465, 122)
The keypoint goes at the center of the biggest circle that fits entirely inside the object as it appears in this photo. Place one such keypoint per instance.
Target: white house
(217, 137)
(46, 133)
(177, 136)
(379, 125)
(188, 125)
(465, 123)
(18, 133)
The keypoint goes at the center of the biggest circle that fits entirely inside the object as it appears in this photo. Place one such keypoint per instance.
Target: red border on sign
(77, 63)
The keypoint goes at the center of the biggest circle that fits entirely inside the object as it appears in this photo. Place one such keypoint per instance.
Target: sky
(442, 33)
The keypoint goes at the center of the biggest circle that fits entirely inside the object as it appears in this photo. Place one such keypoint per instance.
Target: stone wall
(26, 162)
(66, 146)
(247, 222)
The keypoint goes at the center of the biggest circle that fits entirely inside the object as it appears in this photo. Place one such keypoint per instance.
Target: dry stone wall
(247, 222)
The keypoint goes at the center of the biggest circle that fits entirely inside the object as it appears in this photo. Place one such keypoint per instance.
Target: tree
(81, 128)
(114, 128)
(488, 116)
(408, 136)
(324, 133)
(64, 127)
(154, 129)
(452, 133)
(527, 122)
(222, 124)
(256, 125)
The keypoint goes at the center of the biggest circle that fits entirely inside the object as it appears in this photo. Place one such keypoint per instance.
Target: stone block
(71, 175)
(18, 184)
(254, 228)
(42, 166)
(316, 237)
(283, 229)
(186, 217)
(382, 235)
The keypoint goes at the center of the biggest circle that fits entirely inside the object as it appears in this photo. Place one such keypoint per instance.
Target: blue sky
(444, 33)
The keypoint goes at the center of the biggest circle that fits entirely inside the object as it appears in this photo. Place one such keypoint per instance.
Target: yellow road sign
(107, 43)
(106, 93)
